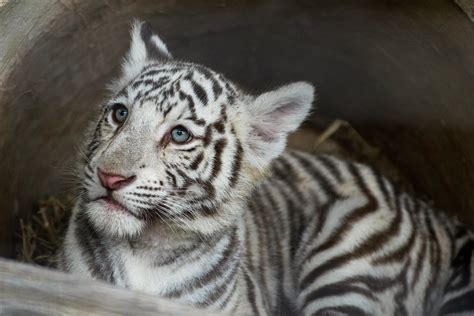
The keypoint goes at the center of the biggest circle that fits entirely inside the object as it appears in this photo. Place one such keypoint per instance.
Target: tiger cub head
(178, 145)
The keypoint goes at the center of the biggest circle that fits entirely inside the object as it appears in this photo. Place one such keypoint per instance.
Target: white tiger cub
(189, 195)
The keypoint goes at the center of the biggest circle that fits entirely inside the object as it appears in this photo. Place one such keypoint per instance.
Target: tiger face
(179, 145)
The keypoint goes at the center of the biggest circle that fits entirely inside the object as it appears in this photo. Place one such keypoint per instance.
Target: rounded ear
(274, 115)
(145, 47)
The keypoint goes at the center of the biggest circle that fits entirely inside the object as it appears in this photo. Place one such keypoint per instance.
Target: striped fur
(231, 222)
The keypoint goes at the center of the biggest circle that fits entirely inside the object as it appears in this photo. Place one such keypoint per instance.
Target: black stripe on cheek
(218, 148)
(171, 177)
(197, 161)
(219, 126)
(188, 149)
(223, 113)
(207, 136)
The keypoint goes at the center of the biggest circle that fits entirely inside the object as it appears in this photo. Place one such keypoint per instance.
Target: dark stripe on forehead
(200, 122)
(123, 92)
(216, 88)
(199, 91)
(223, 113)
(157, 69)
(228, 87)
(192, 108)
(168, 109)
(154, 83)
(204, 71)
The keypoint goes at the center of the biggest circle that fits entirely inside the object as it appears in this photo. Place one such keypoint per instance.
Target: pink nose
(113, 181)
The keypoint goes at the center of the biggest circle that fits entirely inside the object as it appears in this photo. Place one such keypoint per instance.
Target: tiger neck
(177, 269)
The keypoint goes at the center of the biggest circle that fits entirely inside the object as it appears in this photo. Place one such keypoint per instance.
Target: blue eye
(180, 135)
(119, 113)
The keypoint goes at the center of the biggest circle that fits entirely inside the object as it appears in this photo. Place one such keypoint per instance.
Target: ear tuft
(155, 48)
(145, 47)
(274, 115)
(146, 31)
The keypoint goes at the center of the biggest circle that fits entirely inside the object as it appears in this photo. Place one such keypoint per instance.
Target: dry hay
(42, 232)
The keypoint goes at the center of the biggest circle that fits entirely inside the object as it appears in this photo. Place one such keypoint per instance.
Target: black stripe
(172, 178)
(372, 243)
(338, 289)
(331, 166)
(251, 295)
(289, 176)
(342, 310)
(323, 212)
(206, 140)
(278, 233)
(92, 248)
(397, 255)
(434, 255)
(199, 91)
(257, 208)
(349, 220)
(382, 185)
(197, 161)
(460, 304)
(322, 180)
(230, 294)
(419, 262)
(214, 272)
(236, 164)
(461, 268)
(218, 150)
(216, 88)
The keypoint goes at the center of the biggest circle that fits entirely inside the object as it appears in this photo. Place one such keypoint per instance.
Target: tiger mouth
(113, 205)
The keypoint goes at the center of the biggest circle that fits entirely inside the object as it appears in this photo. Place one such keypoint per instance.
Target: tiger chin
(190, 195)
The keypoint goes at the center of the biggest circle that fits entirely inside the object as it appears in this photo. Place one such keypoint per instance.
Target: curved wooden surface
(31, 290)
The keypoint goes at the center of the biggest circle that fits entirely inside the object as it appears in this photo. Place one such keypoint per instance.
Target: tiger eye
(119, 113)
(180, 134)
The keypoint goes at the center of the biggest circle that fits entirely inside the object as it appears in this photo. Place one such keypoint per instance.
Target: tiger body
(227, 220)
